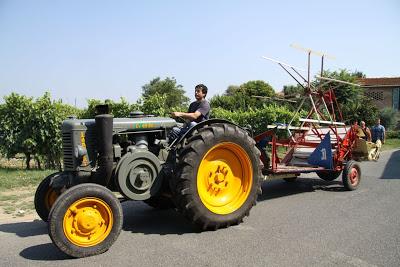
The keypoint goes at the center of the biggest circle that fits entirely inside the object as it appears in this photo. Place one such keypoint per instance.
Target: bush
(258, 119)
(393, 134)
(388, 118)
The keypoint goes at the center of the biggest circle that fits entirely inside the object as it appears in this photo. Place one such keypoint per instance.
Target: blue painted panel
(322, 155)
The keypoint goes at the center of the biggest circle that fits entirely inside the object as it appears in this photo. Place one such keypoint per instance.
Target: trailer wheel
(45, 196)
(85, 220)
(329, 175)
(218, 176)
(351, 175)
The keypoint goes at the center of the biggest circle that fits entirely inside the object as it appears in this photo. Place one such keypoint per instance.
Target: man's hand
(176, 114)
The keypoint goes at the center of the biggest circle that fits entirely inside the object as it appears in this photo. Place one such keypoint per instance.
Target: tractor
(211, 174)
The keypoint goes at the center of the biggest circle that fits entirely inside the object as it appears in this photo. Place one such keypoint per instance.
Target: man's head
(362, 124)
(200, 92)
(378, 121)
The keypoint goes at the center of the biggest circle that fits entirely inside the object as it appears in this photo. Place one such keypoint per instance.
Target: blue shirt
(378, 133)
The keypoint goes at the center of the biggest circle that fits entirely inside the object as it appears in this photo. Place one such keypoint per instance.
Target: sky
(79, 50)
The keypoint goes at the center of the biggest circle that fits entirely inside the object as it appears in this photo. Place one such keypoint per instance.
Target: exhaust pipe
(104, 129)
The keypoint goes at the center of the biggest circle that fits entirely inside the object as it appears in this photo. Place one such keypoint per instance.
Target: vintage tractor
(212, 174)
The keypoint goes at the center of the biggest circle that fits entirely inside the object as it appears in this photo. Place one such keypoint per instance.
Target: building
(384, 91)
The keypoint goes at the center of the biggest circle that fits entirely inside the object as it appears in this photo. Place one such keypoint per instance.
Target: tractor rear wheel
(45, 196)
(160, 202)
(218, 176)
(290, 180)
(85, 220)
(329, 175)
(351, 175)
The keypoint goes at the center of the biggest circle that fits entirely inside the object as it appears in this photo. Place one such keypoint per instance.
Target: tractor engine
(124, 153)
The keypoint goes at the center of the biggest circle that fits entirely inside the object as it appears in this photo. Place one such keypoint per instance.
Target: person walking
(366, 133)
(378, 132)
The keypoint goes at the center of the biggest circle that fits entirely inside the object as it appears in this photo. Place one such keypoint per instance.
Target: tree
(243, 97)
(118, 109)
(232, 90)
(388, 118)
(46, 119)
(33, 128)
(16, 128)
(293, 90)
(175, 95)
(257, 88)
(351, 99)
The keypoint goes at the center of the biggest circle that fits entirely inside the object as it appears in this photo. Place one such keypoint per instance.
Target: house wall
(382, 97)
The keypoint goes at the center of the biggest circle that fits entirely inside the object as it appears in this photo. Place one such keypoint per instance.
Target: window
(396, 98)
(375, 95)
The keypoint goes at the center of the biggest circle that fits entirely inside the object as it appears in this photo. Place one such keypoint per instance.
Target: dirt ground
(17, 205)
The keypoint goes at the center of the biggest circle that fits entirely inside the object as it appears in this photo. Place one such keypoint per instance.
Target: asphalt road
(307, 223)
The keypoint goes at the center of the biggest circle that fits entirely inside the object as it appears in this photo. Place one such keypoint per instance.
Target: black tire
(160, 202)
(290, 180)
(45, 197)
(90, 207)
(210, 140)
(329, 175)
(351, 175)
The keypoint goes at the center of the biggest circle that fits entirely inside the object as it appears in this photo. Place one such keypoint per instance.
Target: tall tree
(174, 93)
(351, 99)
(243, 97)
(15, 127)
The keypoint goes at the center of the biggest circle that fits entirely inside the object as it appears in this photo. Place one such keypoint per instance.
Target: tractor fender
(207, 123)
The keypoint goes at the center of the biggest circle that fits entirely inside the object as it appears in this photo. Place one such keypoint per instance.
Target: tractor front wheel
(45, 196)
(85, 220)
(218, 176)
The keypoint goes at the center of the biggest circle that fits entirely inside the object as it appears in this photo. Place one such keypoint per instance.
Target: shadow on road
(280, 188)
(392, 168)
(139, 218)
(43, 252)
(25, 229)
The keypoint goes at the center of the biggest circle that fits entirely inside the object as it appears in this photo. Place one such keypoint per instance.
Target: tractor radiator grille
(68, 151)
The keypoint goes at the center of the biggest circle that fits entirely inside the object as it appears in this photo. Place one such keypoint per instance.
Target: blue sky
(79, 50)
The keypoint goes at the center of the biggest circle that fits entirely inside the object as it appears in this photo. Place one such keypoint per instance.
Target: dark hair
(203, 88)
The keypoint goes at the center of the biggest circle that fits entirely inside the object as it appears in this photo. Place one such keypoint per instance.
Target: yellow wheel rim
(88, 222)
(50, 198)
(224, 178)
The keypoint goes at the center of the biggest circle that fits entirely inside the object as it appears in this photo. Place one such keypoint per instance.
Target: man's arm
(368, 134)
(185, 115)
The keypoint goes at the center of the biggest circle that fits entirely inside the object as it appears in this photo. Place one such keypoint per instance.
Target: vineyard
(30, 127)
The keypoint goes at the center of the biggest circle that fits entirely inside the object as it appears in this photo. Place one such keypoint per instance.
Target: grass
(16, 178)
(17, 188)
(391, 144)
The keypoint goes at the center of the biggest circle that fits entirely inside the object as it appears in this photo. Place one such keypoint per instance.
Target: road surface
(307, 223)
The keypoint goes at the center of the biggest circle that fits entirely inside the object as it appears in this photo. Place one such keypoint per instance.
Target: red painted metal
(325, 108)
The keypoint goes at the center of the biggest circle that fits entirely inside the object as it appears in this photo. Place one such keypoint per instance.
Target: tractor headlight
(80, 151)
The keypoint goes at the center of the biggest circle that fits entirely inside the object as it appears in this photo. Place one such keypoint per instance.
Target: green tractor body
(211, 174)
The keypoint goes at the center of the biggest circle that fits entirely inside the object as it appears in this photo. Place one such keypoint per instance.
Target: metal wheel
(45, 196)
(351, 175)
(85, 220)
(224, 178)
(218, 176)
